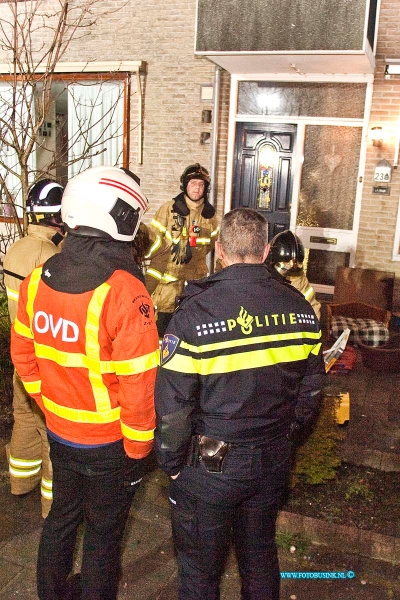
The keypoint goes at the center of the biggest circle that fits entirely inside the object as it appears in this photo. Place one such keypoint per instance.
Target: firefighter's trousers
(28, 452)
(209, 510)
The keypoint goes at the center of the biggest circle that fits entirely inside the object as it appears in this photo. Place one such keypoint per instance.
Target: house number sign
(383, 172)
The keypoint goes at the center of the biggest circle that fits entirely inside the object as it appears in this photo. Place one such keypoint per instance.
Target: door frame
(346, 240)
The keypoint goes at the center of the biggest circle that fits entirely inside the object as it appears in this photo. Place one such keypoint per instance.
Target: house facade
(293, 107)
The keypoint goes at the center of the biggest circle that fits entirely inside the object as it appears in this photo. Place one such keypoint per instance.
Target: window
(79, 121)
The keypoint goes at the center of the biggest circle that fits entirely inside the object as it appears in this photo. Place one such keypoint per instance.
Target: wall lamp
(392, 67)
(376, 135)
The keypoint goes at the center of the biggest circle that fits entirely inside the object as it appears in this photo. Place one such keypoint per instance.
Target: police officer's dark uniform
(241, 366)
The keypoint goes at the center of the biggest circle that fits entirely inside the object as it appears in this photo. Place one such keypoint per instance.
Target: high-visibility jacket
(241, 360)
(23, 256)
(164, 278)
(90, 360)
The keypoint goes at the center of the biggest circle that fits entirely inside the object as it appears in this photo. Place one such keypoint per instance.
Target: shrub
(317, 460)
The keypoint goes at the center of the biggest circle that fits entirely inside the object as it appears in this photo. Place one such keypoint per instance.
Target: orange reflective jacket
(90, 360)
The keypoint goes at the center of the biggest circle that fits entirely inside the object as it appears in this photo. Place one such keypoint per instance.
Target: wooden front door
(263, 176)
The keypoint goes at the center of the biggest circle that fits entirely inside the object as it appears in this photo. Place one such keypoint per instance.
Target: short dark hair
(244, 234)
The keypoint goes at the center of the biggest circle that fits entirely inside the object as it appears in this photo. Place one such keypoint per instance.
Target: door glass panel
(336, 100)
(329, 176)
(266, 169)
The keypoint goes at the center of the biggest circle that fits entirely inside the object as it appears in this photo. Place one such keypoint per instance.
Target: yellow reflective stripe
(22, 463)
(22, 329)
(159, 276)
(12, 294)
(81, 416)
(120, 367)
(23, 473)
(154, 273)
(73, 359)
(203, 241)
(168, 278)
(215, 232)
(262, 339)
(100, 391)
(47, 483)
(308, 293)
(170, 238)
(136, 435)
(240, 361)
(22, 468)
(32, 290)
(137, 365)
(46, 488)
(33, 387)
(156, 245)
(158, 226)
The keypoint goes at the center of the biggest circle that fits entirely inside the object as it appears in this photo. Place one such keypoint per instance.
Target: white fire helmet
(104, 202)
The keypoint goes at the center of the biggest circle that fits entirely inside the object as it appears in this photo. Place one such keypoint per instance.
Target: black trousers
(210, 510)
(95, 486)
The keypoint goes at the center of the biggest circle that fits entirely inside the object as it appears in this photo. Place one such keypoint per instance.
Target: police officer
(28, 452)
(241, 373)
(286, 261)
(183, 232)
(85, 345)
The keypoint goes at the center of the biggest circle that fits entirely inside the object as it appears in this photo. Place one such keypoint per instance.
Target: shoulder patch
(169, 345)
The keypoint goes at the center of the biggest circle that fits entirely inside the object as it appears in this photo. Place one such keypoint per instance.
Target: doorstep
(341, 537)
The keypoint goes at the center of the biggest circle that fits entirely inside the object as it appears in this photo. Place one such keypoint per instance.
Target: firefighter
(28, 451)
(286, 257)
(85, 345)
(183, 231)
(241, 374)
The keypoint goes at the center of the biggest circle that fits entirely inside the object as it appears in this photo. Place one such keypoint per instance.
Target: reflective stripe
(137, 365)
(161, 277)
(154, 273)
(203, 241)
(22, 463)
(240, 361)
(22, 469)
(32, 290)
(81, 416)
(119, 367)
(137, 435)
(308, 293)
(12, 294)
(23, 473)
(156, 245)
(22, 329)
(262, 339)
(33, 387)
(215, 232)
(100, 391)
(170, 238)
(46, 488)
(158, 226)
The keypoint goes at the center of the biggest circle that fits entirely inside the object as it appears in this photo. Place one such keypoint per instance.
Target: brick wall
(162, 35)
(379, 213)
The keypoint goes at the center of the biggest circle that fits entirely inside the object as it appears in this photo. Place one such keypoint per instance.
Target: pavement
(149, 570)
